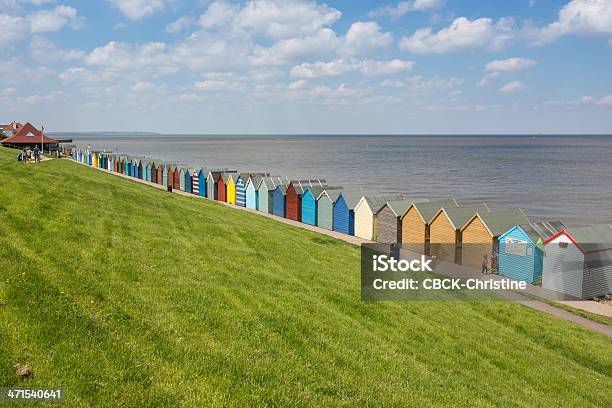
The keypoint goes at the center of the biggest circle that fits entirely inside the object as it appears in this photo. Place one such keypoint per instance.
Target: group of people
(26, 155)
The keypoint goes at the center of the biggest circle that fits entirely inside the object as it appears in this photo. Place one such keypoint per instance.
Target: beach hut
(140, 170)
(278, 201)
(578, 261)
(415, 223)
(195, 182)
(365, 213)
(94, 159)
(521, 250)
(182, 179)
(153, 173)
(230, 187)
(389, 220)
(241, 189)
(325, 207)
(166, 176)
(265, 193)
(222, 187)
(199, 186)
(251, 192)
(481, 232)
(344, 211)
(160, 174)
(176, 178)
(309, 204)
(445, 230)
(293, 201)
(128, 167)
(188, 182)
(212, 177)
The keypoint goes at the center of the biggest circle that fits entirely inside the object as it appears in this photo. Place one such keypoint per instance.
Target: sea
(567, 178)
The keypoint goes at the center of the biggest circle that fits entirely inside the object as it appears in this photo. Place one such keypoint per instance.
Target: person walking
(36, 152)
(485, 264)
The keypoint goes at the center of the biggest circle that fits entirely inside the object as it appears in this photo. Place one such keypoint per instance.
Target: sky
(308, 67)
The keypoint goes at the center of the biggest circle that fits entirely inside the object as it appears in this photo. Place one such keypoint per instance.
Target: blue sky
(303, 66)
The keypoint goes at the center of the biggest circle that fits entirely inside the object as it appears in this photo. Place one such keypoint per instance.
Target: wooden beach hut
(578, 261)
(445, 230)
(160, 174)
(251, 192)
(389, 220)
(153, 173)
(230, 187)
(241, 189)
(195, 182)
(325, 207)
(222, 187)
(415, 223)
(521, 250)
(278, 202)
(265, 193)
(309, 204)
(182, 172)
(140, 170)
(176, 178)
(201, 181)
(481, 232)
(344, 211)
(293, 201)
(188, 182)
(212, 179)
(365, 213)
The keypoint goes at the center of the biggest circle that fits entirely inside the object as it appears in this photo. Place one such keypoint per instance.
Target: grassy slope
(126, 295)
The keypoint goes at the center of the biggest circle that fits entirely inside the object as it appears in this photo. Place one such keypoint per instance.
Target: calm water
(553, 177)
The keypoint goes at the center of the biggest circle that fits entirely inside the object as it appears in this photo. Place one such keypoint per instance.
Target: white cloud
(585, 100)
(578, 17)
(218, 85)
(510, 64)
(514, 86)
(405, 7)
(344, 66)
(299, 84)
(139, 9)
(461, 34)
(421, 85)
(277, 19)
(179, 25)
(116, 56)
(363, 37)
(143, 87)
(11, 31)
(55, 19)
(488, 79)
(321, 44)
(8, 91)
(44, 51)
(203, 51)
(78, 75)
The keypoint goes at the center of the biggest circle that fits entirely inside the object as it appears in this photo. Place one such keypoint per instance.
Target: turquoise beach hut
(521, 254)
(251, 192)
(202, 187)
(309, 204)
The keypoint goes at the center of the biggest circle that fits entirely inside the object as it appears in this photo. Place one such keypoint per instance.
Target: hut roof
(271, 182)
(376, 202)
(427, 209)
(399, 207)
(498, 222)
(589, 239)
(331, 192)
(351, 197)
(459, 216)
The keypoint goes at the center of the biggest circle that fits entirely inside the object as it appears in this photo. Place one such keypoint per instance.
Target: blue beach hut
(181, 182)
(278, 200)
(164, 175)
(202, 188)
(521, 254)
(344, 212)
(188, 183)
(240, 190)
(251, 193)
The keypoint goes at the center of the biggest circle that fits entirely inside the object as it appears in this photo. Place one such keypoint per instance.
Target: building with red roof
(28, 136)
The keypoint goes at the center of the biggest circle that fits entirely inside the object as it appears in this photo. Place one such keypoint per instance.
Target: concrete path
(442, 267)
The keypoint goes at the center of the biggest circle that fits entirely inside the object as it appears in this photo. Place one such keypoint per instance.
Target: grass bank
(125, 295)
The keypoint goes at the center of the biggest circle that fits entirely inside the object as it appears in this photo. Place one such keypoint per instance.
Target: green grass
(126, 296)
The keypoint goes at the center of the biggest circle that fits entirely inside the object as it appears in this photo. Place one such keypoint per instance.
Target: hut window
(563, 245)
